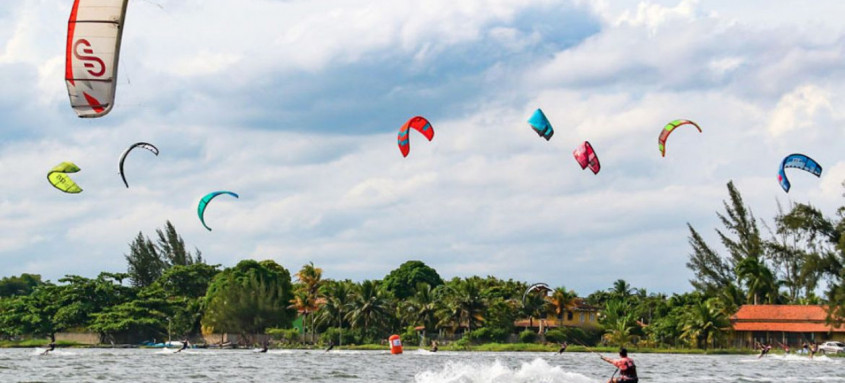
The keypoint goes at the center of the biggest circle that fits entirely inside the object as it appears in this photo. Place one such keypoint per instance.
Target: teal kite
(204, 202)
(541, 124)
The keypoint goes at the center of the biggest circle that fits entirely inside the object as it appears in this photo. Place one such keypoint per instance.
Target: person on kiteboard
(184, 345)
(51, 346)
(266, 346)
(784, 346)
(563, 347)
(764, 349)
(433, 346)
(627, 369)
(331, 345)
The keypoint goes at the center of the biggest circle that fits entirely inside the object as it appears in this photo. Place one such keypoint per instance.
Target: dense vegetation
(798, 258)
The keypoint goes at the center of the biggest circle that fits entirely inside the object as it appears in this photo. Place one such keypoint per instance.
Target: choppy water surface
(150, 365)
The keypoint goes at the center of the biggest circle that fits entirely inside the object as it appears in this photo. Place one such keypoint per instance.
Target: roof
(781, 313)
(785, 327)
(785, 318)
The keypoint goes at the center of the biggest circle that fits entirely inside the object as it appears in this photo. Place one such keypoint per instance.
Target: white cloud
(487, 195)
(797, 109)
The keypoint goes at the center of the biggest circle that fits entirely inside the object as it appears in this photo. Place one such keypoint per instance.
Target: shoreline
(488, 347)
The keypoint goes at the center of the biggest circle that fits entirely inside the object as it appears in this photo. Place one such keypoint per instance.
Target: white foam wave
(537, 370)
(791, 358)
(40, 351)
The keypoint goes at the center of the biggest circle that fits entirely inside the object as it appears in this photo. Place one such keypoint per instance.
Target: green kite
(59, 179)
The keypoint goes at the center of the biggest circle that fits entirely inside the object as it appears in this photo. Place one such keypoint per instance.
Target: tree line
(167, 290)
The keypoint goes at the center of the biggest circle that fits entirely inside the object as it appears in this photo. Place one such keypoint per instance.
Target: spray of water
(537, 370)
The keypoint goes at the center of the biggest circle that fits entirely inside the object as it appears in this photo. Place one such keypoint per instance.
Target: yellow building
(580, 315)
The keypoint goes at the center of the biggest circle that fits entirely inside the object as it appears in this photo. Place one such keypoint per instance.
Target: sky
(295, 105)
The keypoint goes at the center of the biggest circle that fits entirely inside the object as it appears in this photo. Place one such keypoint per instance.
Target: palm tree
(619, 333)
(310, 279)
(703, 323)
(759, 279)
(421, 308)
(621, 289)
(370, 306)
(534, 305)
(303, 303)
(338, 295)
(469, 302)
(561, 301)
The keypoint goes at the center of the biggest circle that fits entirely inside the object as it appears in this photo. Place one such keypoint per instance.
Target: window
(582, 317)
(569, 315)
(592, 317)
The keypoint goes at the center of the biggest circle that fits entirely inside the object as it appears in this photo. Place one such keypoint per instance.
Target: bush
(486, 335)
(410, 336)
(346, 336)
(287, 335)
(528, 336)
(573, 335)
(557, 336)
(462, 344)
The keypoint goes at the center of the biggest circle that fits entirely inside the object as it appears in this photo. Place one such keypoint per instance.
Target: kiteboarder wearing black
(184, 345)
(331, 345)
(764, 349)
(433, 346)
(266, 346)
(627, 369)
(563, 347)
(51, 346)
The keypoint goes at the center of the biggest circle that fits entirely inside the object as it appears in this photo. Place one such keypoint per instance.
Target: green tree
(421, 308)
(145, 264)
(742, 235)
(621, 289)
(370, 309)
(307, 293)
(402, 281)
(187, 281)
(618, 332)
(22, 285)
(171, 248)
(501, 315)
(469, 301)
(338, 296)
(759, 279)
(712, 272)
(145, 317)
(702, 323)
(249, 298)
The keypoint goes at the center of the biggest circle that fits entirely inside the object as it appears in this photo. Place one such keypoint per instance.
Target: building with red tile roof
(788, 324)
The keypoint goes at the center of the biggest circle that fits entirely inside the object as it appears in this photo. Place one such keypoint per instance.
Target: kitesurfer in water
(814, 348)
(331, 345)
(563, 347)
(764, 349)
(433, 346)
(51, 346)
(266, 344)
(184, 345)
(627, 369)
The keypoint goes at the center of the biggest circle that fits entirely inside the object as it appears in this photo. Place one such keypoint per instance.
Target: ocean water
(197, 365)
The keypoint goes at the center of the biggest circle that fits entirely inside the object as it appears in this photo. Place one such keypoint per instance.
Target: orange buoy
(395, 344)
